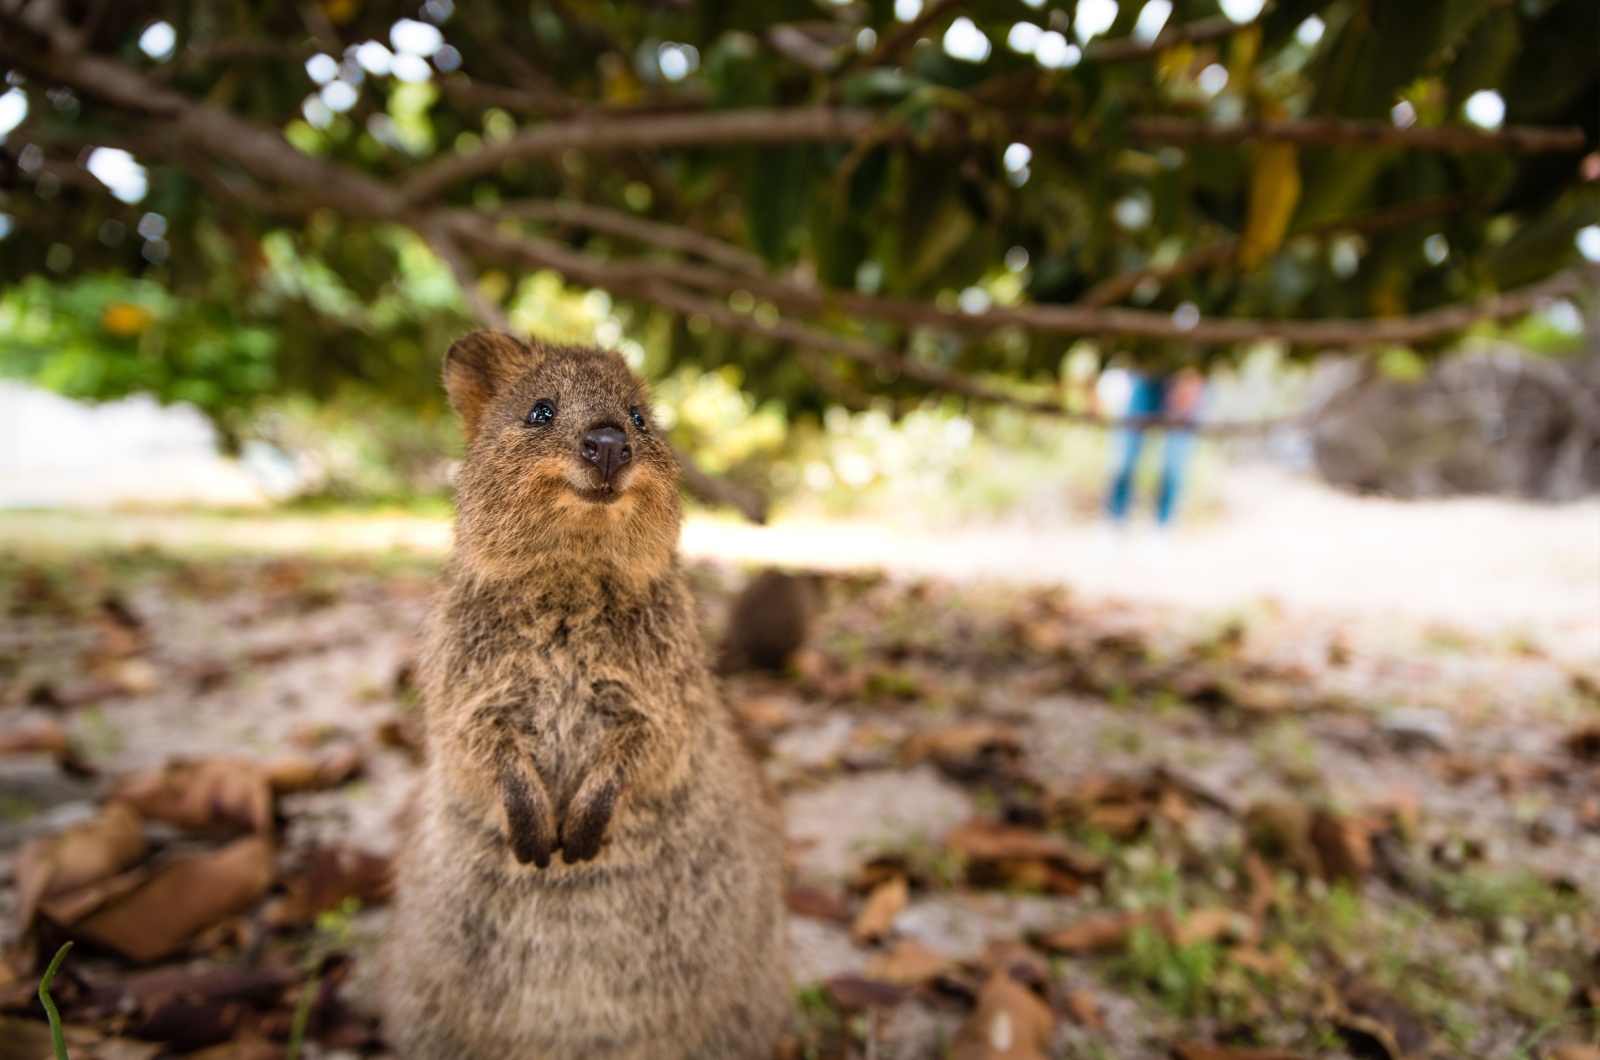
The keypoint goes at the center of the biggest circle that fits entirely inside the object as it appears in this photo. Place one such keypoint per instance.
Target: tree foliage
(843, 199)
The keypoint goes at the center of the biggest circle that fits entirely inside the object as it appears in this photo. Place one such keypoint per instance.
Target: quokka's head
(563, 458)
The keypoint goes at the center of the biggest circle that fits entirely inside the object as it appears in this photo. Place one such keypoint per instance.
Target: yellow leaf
(341, 11)
(125, 320)
(1274, 193)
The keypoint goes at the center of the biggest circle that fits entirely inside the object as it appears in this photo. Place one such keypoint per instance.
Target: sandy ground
(1484, 565)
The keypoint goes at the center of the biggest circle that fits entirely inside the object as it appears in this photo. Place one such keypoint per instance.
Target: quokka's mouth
(605, 493)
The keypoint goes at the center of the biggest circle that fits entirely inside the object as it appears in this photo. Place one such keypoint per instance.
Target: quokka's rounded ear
(476, 367)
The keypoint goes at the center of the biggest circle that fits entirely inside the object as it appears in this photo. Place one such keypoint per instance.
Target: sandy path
(1477, 564)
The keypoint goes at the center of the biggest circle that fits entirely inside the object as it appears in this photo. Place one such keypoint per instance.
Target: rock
(838, 826)
(1419, 728)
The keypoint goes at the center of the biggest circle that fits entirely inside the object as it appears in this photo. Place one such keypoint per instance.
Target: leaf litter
(1186, 836)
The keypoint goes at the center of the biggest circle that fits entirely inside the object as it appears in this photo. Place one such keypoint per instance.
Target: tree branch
(52, 54)
(614, 222)
(1125, 49)
(1115, 288)
(825, 124)
(634, 275)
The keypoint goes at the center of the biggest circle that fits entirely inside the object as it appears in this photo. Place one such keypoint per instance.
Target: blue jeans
(1148, 398)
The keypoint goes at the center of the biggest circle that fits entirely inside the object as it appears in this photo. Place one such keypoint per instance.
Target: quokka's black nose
(606, 448)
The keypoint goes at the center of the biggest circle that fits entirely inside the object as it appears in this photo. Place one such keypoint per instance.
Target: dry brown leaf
(1281, 829)
(1364, 1011)
(883, 904)
(44, 736)
(1084, 1009)
(1214, 924)
(159, 909)
(764, 712)
(817, 904)
(1006, 854)
(1260, 697)
(1344, 847)
(961, 744)
(336, 873)
(1263, 890)
(402, 732)
(1572, 1051)
(1254, 960)
(853, 993)
(908, 963)
(82, 855)
(248, 1047)
(1010, 1023)
(1096, 934)
(1584, 744)
(135, 677)
(1121, 821)
(299, 773)
(218, 795)
(1194, 1051)
(1589, 811)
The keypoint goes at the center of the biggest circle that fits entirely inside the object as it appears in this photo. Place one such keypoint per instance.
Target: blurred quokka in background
(594, 869)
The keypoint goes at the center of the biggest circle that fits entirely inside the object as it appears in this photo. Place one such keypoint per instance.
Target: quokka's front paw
(530, 823)
(583, 831)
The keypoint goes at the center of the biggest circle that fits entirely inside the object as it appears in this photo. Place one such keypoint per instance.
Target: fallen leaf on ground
(246, 1048)
(1010, 1023)
(402, 732)
(1573, 1051)
(1005, 854)
(965, 747)
(1193, 1051)
(1584, 744)
(817, 904)
(1344, 847)
(853, 993)
(883, 904)
(1263, 890)
(1363, 1011)
(1096, 934)
(83, 854)
(187, 1008)
(155, 911)
(1213, 924)
(1254, 960)
(908, 963)
(1260, 696)
(1281, 829)
(1084, 1009)
(217, 795)
(299, 773)
(336, 873)
(46, 736)
(764, 712)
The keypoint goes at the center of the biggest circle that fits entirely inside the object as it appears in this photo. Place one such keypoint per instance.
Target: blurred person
(1136, 398)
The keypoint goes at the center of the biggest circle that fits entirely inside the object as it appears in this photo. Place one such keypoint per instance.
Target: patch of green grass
(1183, 977)
(15, 809)
(98, 733)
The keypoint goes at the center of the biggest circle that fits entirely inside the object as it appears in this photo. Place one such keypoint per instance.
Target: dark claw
(527, 821)
(584, 829)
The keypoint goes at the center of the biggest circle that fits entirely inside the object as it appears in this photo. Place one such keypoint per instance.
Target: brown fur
(594, 870)
(770, 621)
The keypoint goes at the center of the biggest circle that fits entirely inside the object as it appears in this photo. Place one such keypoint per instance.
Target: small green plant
(58, 1040)
(1182, 976)
(332, 933)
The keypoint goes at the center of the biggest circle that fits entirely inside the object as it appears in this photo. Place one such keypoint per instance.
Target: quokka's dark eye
(638, 420)
(543, 412)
